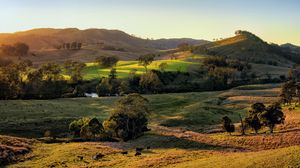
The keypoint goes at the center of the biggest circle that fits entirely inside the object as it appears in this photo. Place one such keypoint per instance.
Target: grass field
(185, 132)
(187, 110)
(93, 71)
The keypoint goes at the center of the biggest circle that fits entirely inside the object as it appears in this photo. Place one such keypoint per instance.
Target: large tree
(272, 116)
(129, 119)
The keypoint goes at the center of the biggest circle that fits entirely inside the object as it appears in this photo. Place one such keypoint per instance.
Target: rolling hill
(247, 46)
(291, 47)
(48, 38)
(44, 44)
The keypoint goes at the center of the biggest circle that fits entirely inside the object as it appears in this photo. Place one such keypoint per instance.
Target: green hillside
(246, 46)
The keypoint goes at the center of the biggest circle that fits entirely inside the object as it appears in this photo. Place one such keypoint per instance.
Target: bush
(86, 128)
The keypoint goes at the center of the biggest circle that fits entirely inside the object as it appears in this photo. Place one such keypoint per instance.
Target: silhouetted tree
(227, 125)
(272, 115)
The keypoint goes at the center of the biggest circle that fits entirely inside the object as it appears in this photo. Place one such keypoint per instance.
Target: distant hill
(291, 47)
(247, 46)
(48, 38)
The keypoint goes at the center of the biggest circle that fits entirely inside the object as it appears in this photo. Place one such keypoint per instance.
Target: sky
(276, 21)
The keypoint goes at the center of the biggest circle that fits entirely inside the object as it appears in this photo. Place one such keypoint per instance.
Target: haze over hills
(48, 38)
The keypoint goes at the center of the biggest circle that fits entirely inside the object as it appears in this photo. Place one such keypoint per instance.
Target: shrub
(87, 128)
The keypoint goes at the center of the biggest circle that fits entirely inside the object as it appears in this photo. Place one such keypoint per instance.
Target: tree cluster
(17, 49)
(106, 61)
(23, 81)
(260, 115)
(290, 90)
(71, 46)
(128, 120)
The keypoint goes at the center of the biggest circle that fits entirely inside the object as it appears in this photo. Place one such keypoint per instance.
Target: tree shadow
(156, 141)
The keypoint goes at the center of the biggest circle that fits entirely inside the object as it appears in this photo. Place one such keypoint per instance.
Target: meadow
(185, 132)
(195, 110)
(93, 71)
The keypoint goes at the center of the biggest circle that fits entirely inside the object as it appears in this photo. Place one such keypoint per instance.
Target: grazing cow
(138, 154)
(80, 157)
(98, 156)
(124, 152)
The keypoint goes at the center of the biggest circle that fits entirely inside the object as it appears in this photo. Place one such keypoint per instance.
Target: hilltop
(248, 47)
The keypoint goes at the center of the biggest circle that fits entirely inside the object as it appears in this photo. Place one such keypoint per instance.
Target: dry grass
(178, 147)
(11, 148)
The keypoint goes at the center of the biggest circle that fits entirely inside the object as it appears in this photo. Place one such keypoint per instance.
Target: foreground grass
(68, 155)
(181, 144)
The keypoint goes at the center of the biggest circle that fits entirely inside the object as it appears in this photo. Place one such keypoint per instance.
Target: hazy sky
(274, 20)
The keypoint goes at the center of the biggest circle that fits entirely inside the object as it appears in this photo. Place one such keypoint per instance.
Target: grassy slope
(170, 147)
(178, 109)
(93, 71)
(285, 157)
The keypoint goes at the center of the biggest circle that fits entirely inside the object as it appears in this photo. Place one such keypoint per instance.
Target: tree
(8, 50)
(215, 61)
(104, 87)
(150, 82)
(146, 60)
(221, 77)
(227, 125)
(257, 108)
(18, 49)
(129, 119)
(75, 126)
(288, 91)
(272, 115)
(253, 122)
(183, 46)
(74, 70)
(113, 74)
(107, 62)
(21, 49)
(243, 127)
(163, 66)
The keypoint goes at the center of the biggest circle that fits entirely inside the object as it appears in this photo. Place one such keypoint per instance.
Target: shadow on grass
(167, 142)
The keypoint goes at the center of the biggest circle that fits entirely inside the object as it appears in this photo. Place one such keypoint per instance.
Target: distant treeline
(70, 46)
(23, 81)
(17, 49)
